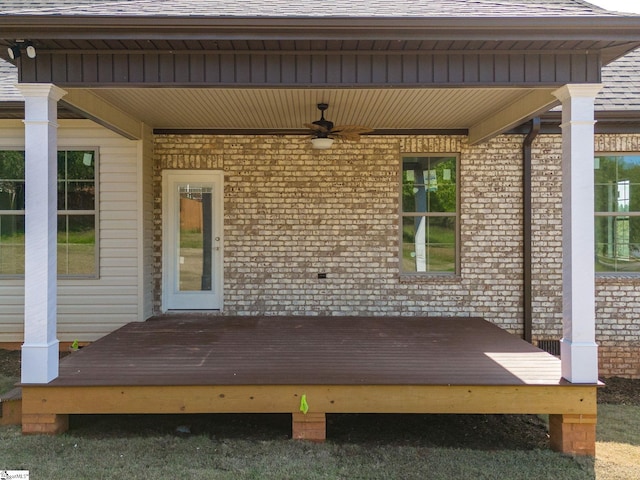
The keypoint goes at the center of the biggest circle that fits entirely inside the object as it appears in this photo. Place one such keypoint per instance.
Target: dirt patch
(10, 363)
(620, 391)
(478, 432)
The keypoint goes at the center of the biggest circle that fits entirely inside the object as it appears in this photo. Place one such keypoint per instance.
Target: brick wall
(292, 212)
(618, 297)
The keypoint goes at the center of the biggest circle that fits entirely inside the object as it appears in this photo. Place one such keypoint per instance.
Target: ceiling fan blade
(350, 132)
(351, 129)
(316, 128)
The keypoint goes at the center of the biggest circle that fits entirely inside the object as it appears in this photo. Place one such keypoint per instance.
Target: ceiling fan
(323, 131)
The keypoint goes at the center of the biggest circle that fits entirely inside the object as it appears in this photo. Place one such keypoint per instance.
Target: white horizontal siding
(107, 287)
(90, 308)
(118, 215)
(83, 330)
(116, 197)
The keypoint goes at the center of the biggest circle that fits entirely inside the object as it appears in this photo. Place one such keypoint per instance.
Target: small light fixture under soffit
(13, 51)
(321, 143)
(31, 51)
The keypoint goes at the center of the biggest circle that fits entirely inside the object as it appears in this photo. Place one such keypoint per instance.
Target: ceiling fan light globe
(321, 143)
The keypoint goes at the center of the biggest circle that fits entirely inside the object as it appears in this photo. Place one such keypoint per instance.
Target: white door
(192, 240)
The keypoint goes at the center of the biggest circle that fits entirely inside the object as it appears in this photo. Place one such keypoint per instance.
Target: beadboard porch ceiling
(289, 109)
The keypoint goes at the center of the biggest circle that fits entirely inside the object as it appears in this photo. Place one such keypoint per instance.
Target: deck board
(263, 350)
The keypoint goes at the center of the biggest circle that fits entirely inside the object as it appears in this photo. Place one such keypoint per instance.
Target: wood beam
(530, 105)
(93, 107)
(525, 399)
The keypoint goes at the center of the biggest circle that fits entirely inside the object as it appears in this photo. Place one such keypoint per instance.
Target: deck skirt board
(320, 398)
(217, 350)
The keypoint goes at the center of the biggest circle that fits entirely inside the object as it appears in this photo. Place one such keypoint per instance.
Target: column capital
(574, 90)
(41, 90)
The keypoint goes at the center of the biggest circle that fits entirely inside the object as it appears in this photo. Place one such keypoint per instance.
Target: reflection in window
(76, 212)
(617, 210)
(11, 212)
(429, 214)
(195, 240)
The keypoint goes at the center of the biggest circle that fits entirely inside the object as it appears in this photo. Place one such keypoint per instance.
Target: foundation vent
(550, 346)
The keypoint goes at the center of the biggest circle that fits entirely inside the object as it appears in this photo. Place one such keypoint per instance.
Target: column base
(573, 434)
(312, 426)
(579, 361)
(40, 362)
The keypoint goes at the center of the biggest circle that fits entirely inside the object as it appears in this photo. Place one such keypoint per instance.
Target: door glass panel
(194, 245)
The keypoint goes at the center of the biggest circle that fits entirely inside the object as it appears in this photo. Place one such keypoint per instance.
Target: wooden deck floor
(309, 351)
(215, 364)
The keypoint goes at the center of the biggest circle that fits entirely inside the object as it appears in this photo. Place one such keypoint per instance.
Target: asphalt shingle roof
(309, 8)
(8, 78)
(622, 84)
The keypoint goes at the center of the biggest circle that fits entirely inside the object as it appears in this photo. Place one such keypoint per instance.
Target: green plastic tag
(304, 406)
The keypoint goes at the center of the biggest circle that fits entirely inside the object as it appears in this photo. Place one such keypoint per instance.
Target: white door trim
(172, 298)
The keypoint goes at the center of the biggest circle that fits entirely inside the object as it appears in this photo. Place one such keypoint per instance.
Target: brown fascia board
(611, 28)
(15, 110)
(609, 121)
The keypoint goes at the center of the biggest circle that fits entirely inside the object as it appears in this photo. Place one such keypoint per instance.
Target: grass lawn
(431, 447)
(204, 456)
(258, 447)
(6, 383)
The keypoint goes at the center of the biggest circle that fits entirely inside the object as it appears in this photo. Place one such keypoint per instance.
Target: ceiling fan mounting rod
(325, 124)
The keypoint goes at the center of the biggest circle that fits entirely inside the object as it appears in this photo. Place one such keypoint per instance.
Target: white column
(40, 348)
(578, 349)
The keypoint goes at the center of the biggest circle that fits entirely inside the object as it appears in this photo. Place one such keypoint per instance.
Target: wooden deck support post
(309, 426)
(50, 424)
(11, 407)
(573, 434)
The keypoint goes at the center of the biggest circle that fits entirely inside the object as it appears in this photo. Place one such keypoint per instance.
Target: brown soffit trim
(259, 131)
(606, 122)
(612, 28)
(549, 126)
(600, 115)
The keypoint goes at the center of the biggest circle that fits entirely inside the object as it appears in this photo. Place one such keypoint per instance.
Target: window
(77, 253)
(617, 213)
(429, 212)
(11, 212)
